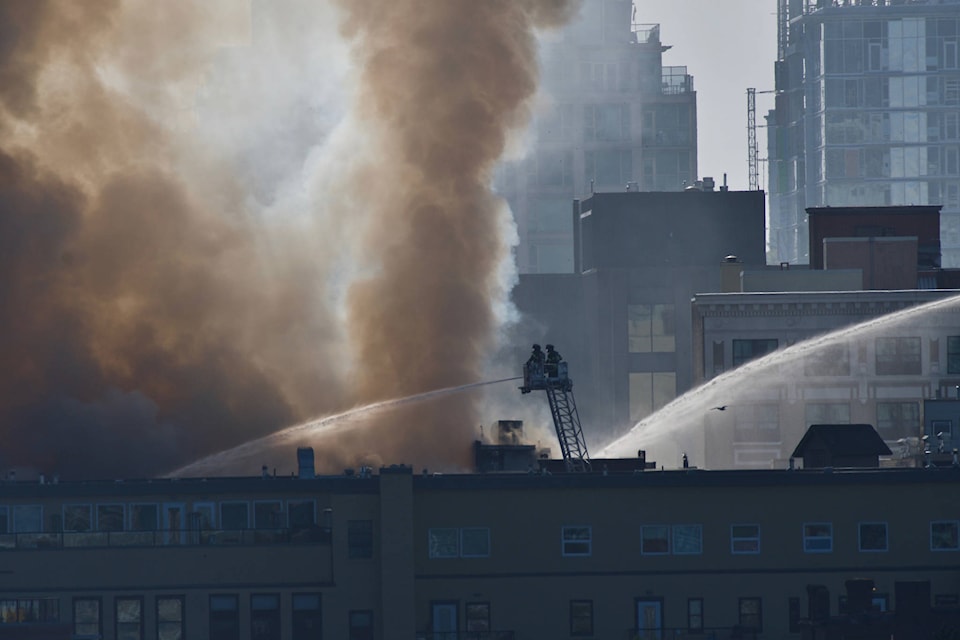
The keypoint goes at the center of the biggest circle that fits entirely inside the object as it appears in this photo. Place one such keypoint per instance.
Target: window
(746, 350)
(4, 519)
(873, 536)
(129, 618)
(144, 517)
(170, 618)
(745, 538)
(898, 356)
(77, 517)
(360, 539)
(651, 391)
(827, 413)
(301, 514)
(110, 517)
(651, 327)
(265, 616)
(224, 617)
(576, 541)
(478, 616)
(234, 515)
(606, 122)
(687, 539)
(307, 618)
(443, 543)
(654, 539)
(751, 614)
(695, 615)
(897, 420)
(818, 537)
(267, 514)
(756, 423)
(609, 167)
(27, 518)
(953, 354)
(475, 542)
(832, 360)
(361, 625)
(944, 536)
(29, 610)
(581, 617)
(86, 617)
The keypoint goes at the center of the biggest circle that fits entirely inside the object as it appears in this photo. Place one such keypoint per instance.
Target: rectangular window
(129, 618)
(897, 420)
(944, 535)
(361, 625)
(827, 413)
(687, 539)
(751, 614)
(833, 360)
(475, 542)
(360, 539)
(301, 514)
(265, 616)
(756, 423)
(86, 617)
(307, 616)
(170, 618)
(818, 537)
(224, 617)
(234, 515)
(873, 536)
(576, 541)
(144, 517)
(654, 539)
(29, 610)
(77, 517)
(695, 615)
(898, 356)
(581, 617)
(651, 327)
(744, 538)
(478, 617)
(110, 517)
(27, 518)
(443, 543)
(953, 354)
(746, 350)
(267, 514)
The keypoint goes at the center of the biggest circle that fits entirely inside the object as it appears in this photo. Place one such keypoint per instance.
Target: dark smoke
(148, 316)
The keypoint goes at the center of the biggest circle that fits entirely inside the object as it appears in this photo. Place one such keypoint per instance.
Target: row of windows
(687, 539)
(108, 517)
(223, 616)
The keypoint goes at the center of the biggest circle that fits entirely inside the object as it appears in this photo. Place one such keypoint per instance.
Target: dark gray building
(623, 322)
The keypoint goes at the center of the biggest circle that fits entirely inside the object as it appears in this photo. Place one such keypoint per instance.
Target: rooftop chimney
(305, 466)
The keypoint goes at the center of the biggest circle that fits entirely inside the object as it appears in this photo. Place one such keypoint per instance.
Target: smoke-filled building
(398, 555)
(612, 116)
(867, 104)
(623, 321)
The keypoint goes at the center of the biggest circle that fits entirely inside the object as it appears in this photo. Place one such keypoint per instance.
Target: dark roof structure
(843, 440)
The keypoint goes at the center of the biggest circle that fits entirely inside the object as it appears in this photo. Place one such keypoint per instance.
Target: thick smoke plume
(164, 296)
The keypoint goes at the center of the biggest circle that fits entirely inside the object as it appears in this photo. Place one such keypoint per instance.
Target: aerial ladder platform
(550, 374)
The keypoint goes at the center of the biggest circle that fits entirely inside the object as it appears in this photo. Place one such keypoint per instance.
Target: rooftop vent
(305, 467)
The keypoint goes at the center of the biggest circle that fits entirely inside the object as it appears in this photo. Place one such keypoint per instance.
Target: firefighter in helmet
(553, 361)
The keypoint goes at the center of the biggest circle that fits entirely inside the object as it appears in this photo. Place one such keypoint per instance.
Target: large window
(953, 354)
(444, 543)
(745, 538)
(29, 610)
(144, 517)
(581, 617)
(265, 616)
(651, 327)
(27, 518)
(307, 616)
(687, 539)
(129, 618)
(301, 514)
(756, 423)
(267, 514)
(751, 614)
(606, 122)
(827, 413)
(474, 542)
(576, 541)
(872, 536)
(898, 356)
(110, 517)
(224, 617)
(818, 537)
(609, 167)
(77, 517)
(945, 535)
(477, 617)
(234, 515)
(360, 625)
(655, 539)
(86, 617)
(831, 360)
(170, 618)
(746, 350)
(360, 539)
(897, 420)
(651, 391)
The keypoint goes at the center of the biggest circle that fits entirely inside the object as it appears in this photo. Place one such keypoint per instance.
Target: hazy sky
(727, 45)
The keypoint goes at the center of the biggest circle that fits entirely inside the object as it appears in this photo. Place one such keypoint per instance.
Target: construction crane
(752, 150)
(550, 373)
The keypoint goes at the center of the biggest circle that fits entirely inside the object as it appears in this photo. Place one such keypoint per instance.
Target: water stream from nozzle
(325, 426)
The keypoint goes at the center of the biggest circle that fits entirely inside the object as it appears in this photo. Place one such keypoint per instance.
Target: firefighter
(535, 362)
(553, 362)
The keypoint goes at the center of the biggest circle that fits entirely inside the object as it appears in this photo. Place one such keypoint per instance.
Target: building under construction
(866, 114)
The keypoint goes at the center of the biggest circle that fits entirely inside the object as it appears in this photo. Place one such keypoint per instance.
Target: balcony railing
(704, 633)
(162, 538)
(465, 635)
